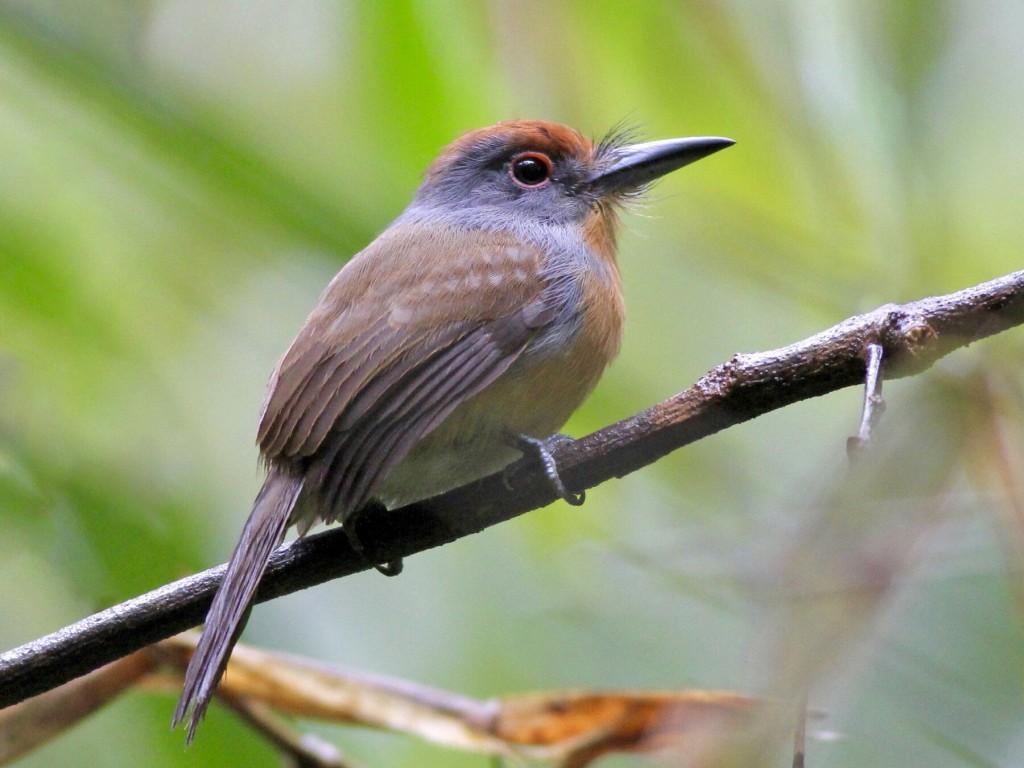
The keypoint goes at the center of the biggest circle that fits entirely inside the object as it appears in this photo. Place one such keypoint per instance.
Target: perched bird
(469, 330)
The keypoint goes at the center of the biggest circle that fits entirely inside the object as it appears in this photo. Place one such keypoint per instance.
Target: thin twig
(874, 404)
(1003, 454)
(800, 737)
(912, 337)
(301, 750)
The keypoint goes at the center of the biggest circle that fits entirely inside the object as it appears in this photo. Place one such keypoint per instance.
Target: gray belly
(434, 466)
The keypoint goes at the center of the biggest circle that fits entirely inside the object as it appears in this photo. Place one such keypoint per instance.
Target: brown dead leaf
(569, 728)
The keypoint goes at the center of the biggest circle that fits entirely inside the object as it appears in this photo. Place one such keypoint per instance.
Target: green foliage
(179, 180)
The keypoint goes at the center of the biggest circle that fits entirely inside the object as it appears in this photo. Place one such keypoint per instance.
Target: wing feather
(397, 342)
(413, 406)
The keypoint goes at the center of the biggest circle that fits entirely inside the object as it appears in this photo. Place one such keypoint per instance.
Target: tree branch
(911, 336)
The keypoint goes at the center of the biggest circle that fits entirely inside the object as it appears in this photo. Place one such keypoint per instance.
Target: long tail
(262, 533)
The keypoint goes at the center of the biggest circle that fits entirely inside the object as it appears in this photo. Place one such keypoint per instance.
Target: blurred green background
(179, 180)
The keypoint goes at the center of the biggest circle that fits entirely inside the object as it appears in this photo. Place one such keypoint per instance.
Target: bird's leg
(390, 568)
(539, 448)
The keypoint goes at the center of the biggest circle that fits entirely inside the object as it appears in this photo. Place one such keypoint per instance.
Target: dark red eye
(531, 169)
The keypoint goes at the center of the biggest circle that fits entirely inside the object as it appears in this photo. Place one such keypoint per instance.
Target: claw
(390, 568)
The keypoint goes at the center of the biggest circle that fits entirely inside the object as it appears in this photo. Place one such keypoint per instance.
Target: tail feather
(263, 531)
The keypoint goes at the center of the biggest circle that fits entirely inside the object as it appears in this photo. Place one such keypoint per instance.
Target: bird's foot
(390, 568)
(541, 449)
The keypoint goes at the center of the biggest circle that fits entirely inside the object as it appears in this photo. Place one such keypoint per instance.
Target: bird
(458, 340)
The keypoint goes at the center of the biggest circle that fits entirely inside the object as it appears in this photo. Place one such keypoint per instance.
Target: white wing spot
(402, 314)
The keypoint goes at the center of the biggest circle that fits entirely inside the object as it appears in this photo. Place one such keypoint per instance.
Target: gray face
(492, 181)
(508, 181)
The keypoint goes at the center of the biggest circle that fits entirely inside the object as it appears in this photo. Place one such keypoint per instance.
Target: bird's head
(543, 173)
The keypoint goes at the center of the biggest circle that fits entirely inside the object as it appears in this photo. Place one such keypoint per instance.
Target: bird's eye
(531, 169)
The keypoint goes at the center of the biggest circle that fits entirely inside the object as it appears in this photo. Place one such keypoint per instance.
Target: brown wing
(410, 329)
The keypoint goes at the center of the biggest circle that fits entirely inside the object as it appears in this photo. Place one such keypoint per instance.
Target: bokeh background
(180, 178)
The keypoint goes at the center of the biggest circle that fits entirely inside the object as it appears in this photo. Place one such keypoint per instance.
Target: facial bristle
(619, 135)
